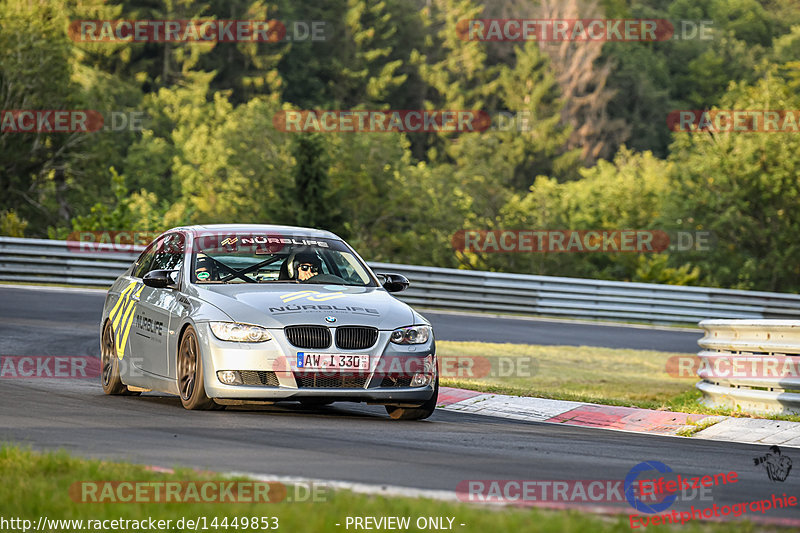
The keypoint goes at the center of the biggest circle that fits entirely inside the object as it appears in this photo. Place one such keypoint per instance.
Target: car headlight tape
(231, 331)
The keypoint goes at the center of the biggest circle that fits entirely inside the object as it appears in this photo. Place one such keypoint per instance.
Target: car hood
(279, 305)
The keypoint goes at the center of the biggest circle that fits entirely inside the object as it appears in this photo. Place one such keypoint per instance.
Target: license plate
(332, 361)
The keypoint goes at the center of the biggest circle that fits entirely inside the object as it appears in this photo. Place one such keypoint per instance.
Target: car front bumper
(273, 361)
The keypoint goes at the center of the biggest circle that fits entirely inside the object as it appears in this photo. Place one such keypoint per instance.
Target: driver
(306, 266)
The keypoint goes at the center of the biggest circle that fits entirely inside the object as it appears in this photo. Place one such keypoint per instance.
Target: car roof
(258, 228)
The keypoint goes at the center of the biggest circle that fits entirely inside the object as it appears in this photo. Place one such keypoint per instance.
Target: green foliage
(101, 217)
(11, 225)
(367, 73)
(363, 61)
(46, 481)
(210, 152)
(654, 269)
(727, 59)
(787, 47)
(311, 180)
(28, 163)
(745, 188)
(653, 79)
(247, 69)
(746, 19)
(642, 79)
(627, 193)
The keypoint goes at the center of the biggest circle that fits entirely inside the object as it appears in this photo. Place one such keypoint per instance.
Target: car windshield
(261, 258)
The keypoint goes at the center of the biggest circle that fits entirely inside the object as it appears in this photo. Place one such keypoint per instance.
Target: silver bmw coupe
(225, 314)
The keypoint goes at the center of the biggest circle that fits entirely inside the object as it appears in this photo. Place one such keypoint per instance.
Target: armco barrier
(50, 261)
(754, 339)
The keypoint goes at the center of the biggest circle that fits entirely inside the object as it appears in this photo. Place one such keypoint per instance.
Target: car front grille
(309, 337)
(396, 381)
(259, 378)
(356, 337)
(319, 380)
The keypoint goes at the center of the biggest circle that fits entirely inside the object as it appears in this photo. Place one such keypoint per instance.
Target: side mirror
(394, 282)
(160, 279)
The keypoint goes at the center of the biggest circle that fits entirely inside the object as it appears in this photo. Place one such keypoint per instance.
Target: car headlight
(231, 331)
(411, 335)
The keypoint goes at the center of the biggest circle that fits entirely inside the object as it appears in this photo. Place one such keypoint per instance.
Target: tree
(642, 94)
(247, 69)
(582, 76)
(363, 59)
(311, 181)
(155, 65)
(209, 161)
(628, 193)
(744, 187)
(11, 224)
(453, 68)
(47, 176)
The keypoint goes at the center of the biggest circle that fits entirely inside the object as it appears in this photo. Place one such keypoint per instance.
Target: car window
(145, 260)
(347, 266)
(169, 255)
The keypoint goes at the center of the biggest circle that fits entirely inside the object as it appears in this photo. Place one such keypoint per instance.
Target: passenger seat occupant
(203, 267)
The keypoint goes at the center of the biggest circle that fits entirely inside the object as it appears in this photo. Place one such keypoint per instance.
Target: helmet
(301, 258)
(204, 268)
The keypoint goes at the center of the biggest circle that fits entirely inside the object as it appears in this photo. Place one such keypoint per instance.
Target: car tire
(191, 385)
(415, 413)
(109, 364)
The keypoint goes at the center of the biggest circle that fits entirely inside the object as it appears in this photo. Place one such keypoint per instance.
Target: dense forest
(596, 151)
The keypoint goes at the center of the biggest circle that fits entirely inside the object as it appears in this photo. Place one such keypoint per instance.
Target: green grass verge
(38, 484)
(610, 376)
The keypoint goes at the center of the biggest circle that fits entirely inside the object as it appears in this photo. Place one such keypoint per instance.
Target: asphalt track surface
(346, 442)
(473, 327)
(84, 307)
